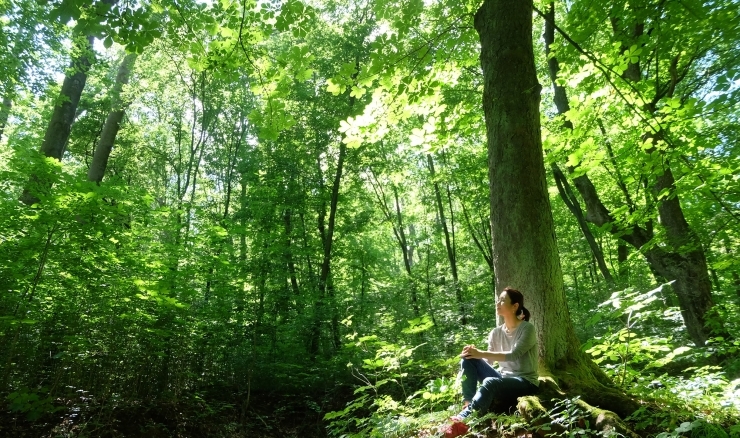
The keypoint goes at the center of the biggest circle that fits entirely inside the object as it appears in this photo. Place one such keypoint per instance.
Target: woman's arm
(527, 340)
(471, 352)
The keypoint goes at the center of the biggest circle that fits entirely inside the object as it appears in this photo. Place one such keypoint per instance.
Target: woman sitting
(514, 346)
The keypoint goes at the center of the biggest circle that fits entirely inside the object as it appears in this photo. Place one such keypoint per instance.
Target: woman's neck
(512, 322)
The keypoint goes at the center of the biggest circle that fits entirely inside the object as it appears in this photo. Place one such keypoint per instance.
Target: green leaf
(334, 87)
(348, 69)
(357, 92)
(352, 142)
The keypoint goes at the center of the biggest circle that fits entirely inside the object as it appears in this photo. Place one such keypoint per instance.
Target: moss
(606, 421)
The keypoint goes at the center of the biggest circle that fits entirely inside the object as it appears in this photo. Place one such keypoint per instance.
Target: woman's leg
(473, 371)
(497, 388)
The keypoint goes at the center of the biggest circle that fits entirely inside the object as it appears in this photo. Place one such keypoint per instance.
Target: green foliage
(658, 368)
(197, 263)
(383, 404)
(32, 404)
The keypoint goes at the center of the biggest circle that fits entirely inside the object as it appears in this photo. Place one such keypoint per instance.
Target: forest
(285, 218)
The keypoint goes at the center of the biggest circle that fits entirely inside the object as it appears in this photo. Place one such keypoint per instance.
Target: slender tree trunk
(289, 253)
(485, 250)
(570, 200)
(60, 124)
(451, 256)
(327, 238)
(242, 223)
(328, 233)
(396, 221)
(525, 253)
(622, 256)
(112, 123)
(325, 282)
(234, 145)
(401, 233)
(428, 282)
(627, 37)
(407, 249)
(5, 108)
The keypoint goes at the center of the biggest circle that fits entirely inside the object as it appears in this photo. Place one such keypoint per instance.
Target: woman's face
(504, 306)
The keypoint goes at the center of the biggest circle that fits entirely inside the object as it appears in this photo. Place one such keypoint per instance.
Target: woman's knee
(467, 364)
(491, 383)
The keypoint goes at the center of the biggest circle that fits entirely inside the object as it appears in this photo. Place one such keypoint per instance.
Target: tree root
(536, 410)
(581, 376)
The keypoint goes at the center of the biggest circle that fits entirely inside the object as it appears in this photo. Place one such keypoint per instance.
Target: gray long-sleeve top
(520, 349)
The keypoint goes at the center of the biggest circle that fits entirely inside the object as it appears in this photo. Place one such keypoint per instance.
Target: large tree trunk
(60, 125)
(525, 254)
(112, 122)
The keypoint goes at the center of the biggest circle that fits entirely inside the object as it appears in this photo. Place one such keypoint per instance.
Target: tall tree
(449, 233)
(682, 260)
(392, 211)
(27, 43)
(63, 115)
(112, 122)
(525, 254)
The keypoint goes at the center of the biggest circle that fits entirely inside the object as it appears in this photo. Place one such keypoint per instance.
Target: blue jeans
(493, 386)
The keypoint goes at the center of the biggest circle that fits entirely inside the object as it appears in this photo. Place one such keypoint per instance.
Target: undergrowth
(683, 390)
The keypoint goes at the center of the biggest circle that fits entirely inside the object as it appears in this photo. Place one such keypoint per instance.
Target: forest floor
(267, 416)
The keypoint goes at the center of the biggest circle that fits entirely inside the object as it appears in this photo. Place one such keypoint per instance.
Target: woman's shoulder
(497, 329)
(527, 327)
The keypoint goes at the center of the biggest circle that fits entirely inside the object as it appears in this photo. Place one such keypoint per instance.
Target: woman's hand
(470, 352)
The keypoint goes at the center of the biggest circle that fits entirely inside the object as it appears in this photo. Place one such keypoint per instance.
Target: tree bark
(521, 219)
(633, 71)
(525, 253)
(112, 122)
(60, 124)
(622, 256)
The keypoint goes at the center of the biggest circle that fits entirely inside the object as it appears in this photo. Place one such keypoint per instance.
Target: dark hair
(516, 297)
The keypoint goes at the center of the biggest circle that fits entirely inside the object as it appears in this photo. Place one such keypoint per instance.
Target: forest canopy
(244, 218)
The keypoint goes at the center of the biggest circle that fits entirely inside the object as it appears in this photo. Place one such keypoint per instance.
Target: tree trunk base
(581, 376)
(551, 399)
